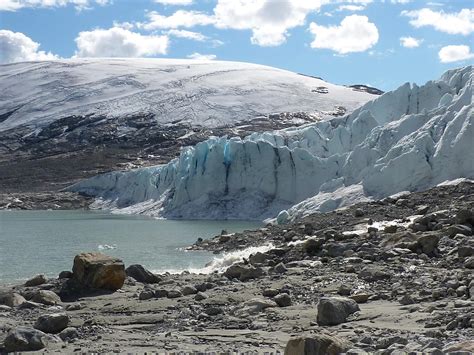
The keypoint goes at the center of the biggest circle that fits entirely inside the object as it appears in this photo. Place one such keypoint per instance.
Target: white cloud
(454, 53)
(180, 18)
(354, 34)
(268, 20)
(13, 5)
(16, 47)
(174, 2)
(203, 57)
(195, 36)
(351, 8)
(410, 42)
(461, 22)
(119, 42)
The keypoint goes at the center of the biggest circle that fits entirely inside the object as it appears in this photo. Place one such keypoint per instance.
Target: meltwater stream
(33, 242)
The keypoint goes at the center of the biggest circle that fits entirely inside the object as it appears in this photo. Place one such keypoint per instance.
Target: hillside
(69, 119)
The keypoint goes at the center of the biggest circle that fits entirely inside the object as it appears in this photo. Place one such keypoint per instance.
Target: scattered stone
(11, 299)
(243, 272)
(200, 296)
(316, 344)
(65, 275)
(25, 339)
(189, 290)
(280, 268)
(270, 292)
(46, 297)
(146, 295)
(98, 271)
(406, 300)
(360, 297)
(36, 281)
(52, 323)
(429, 244)
(374, 273)
(283, 300)
(139, 273)
(392, 228)
(69, 334)
(335, 310)
(174, 294)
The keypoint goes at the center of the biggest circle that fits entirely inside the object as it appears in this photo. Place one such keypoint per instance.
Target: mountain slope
(408, 139)
(97, 113)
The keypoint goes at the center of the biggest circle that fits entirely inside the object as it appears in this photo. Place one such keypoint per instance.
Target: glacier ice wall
(408, 139)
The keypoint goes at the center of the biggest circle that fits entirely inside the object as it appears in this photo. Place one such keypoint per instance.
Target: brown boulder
(98, 271)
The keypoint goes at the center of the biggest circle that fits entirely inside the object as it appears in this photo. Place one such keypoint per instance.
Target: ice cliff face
(408, 139)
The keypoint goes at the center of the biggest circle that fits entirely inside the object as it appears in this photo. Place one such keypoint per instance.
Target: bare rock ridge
(65, 120)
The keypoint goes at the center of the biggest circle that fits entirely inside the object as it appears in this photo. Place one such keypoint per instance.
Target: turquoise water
(33, 242)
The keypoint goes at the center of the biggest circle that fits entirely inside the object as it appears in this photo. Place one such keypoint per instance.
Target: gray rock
(465, 251)
(283, 300)
(258, 258)
(161, 293)
(316, 344)
(469, 263)
(52, 323)
(68, 334)
(65, 275)
(459, 229)
(359, 212)
(385, 342)
(280, 268)
(46, 297)
(174, 294)
(428, 244)
(146, 295)
(243, 272)
(406, 300)
(270, 292)
(374, 273)
(200, 296)
(335, 310)
(360, 297)
(465, 216)
(11, 299)
(139, 273)
(36, 281)
(25, 339)
(313, 245)
(74, 306)
(189, 290)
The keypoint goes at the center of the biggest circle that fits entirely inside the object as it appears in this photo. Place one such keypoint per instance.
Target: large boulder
(316, 344)
(52, 323)
(335, 310)
(25, 339)
(139, 273)
(98, 271)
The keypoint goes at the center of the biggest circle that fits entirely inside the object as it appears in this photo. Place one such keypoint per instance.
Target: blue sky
(380, 43)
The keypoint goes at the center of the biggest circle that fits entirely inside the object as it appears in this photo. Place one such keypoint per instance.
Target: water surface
(33, 242)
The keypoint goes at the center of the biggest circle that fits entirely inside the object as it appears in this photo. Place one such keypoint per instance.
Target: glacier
(197, 93)
(406, 140)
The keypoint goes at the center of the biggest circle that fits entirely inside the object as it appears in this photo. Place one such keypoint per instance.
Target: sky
(382, 43)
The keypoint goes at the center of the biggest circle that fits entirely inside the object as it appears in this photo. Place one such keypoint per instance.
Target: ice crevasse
(406, 140)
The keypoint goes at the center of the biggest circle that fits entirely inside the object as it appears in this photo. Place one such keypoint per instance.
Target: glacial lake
(34, 242)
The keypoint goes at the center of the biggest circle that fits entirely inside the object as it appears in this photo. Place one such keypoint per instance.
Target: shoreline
(411, 282)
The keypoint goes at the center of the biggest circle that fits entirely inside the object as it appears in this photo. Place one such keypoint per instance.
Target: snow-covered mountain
(64, 120)
(201, 93)
(408, 139)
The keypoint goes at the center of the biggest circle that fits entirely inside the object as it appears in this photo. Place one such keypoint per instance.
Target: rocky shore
(387, 277)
